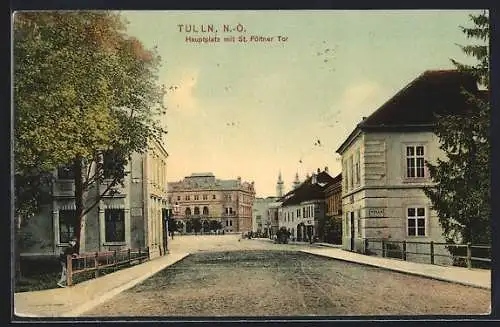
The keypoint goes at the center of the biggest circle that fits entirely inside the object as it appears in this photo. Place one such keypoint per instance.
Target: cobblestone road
(226, 277)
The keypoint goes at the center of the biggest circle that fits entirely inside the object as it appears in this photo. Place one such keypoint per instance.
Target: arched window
(205, 211)
(188, 212)
(196, 210)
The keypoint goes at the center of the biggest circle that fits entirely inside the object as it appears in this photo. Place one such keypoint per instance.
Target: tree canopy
(83, 90)
(462, 195)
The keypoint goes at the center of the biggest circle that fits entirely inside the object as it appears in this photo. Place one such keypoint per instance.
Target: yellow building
(203, 196)
(155, 199)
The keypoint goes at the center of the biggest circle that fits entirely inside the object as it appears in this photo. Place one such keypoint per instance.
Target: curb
(103, 298)
(403, 271)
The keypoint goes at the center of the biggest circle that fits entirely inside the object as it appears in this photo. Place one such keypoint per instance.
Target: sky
(257, 108)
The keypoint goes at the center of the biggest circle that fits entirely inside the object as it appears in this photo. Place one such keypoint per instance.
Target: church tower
(296, 182)
(279, 186)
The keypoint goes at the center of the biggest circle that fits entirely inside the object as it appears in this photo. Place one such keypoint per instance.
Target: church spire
(296, 182)
(279, 186)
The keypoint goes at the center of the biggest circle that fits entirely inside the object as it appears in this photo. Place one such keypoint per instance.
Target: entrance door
(352, 231)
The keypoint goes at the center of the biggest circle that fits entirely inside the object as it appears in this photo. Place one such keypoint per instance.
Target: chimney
(319, 170)
(326, 168)
(314, 179)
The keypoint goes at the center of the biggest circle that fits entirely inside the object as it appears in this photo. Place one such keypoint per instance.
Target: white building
(302, 208)
(261, 221)
(383, 163)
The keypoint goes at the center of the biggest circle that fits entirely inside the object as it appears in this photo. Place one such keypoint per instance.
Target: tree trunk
(17, 251)
(78, 171)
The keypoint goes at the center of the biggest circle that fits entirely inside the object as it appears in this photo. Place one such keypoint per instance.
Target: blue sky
(283, 96)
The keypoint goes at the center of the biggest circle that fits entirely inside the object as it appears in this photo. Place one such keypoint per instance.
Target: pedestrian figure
(172, 234)
(63, 259)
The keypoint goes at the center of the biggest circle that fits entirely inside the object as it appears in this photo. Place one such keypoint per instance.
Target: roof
(201, 175)
(336, 183)
(414, 107)
(308, 191)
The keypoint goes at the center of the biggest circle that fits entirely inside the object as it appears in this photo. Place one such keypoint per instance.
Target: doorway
(352, 230)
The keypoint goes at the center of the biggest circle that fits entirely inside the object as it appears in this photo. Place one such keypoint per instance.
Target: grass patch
(44, 273)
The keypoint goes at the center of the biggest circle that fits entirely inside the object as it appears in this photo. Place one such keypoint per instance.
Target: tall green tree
(462, 196)
(85, 94)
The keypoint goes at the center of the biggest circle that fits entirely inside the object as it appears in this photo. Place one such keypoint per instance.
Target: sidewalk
(480, 278)
(75, 300)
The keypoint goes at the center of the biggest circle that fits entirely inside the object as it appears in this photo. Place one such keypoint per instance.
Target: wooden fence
(467, 255)
(97, 261)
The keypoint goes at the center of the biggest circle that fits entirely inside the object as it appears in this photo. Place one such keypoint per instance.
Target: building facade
(333, 195)
(261, 220)
(273, 216)
(383, 164)
(126, 217)
(150, 199)
(204, 197)
(303, 210)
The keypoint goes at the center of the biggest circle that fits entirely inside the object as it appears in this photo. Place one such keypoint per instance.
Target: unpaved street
(258, 278)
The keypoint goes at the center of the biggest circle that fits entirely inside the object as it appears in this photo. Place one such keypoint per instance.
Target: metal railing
(467, 255)
(97, 261)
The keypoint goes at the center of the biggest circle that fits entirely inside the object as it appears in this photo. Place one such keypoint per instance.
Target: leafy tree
(462, 195)
(179, 225)
(196, 223)
(215, 225)
(172, 225)
(189, 225)
(85, 93)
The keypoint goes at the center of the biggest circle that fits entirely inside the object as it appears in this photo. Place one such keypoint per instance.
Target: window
(304, 212)
(213, 197)
(178, 198)
(187, 198)
(357, 169)
(416, 221)
(346, 172)
(205, 197)
(415, 161)
(230, 223)
(298, 213)
(205, 211)
(187, 212)
(65, 172)
(196, 210)
(350, 168)
(227, 222)
(67, 225)
(196, 197)
(114, 225)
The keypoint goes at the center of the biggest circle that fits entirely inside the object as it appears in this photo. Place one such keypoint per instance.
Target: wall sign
(376, 212)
